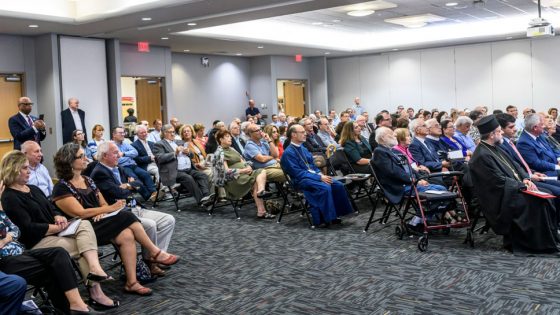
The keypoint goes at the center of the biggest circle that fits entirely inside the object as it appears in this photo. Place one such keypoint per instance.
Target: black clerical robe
(528, 223)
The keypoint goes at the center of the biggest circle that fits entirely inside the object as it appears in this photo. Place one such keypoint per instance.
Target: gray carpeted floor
(260, 267)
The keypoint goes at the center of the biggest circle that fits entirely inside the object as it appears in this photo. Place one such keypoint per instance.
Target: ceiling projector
(539, 27)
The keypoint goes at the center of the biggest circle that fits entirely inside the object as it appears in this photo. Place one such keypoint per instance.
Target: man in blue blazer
(145, 158)
(24, 127)
(422, 151)
(536, 152)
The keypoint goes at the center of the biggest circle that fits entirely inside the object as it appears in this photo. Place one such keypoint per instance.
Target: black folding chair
(299, 204)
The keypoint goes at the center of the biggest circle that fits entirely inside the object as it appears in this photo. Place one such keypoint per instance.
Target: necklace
(502, 159)
(301, 157)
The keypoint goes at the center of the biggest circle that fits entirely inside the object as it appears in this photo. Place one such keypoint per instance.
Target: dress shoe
(89, 311)
(97, 278)
(102, 307)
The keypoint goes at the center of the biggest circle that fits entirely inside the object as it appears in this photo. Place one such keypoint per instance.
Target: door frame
(164, 109)
(306, 94)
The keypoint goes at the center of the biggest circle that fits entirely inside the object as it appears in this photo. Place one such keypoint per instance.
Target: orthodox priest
(327, 197)
(527, 223)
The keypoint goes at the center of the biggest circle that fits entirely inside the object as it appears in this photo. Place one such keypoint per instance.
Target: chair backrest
(339, 162)
(375, 177)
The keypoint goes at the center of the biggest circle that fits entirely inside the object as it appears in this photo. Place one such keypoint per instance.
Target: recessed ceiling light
(239, 54)
(360, 13)
(191, 24)
(146, 19)
(509, 37)
(451, 4)
(394, 49)
(165, 38)
(317, 23)
(186, 50)
(260, 47)
(337, 21)
(327, 53)
(33, 26)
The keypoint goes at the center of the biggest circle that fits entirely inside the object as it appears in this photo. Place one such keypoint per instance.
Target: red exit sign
(143, 47)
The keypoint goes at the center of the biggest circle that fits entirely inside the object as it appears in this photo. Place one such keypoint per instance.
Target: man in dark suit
(236, 142)
(383, 119)
(73, 118)
(113, 185)
(536, 151)
(24, 127)
(145, 158)
(175, 166)
(421, 149)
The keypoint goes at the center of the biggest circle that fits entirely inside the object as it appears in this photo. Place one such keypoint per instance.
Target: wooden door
(148, 99)
(294, 99)
(10, 92)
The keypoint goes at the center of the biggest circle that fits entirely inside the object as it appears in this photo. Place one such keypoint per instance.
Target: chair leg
(371, 216)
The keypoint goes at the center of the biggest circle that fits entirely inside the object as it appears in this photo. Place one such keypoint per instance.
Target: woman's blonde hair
(347, 133)
(197, 127)
(401, 134)
(95, 128)
(268, 130)
(11, 165)
(185, 126)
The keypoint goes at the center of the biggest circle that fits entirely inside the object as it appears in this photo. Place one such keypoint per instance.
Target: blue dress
(327, 202)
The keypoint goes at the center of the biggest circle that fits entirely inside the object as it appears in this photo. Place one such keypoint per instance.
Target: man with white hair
(237, 143)
(281, 120)
(535, 150)
(462, 127)
(422, 151)
(114, 185)
(362, 122)
(145, 158)
(394, 172)
(39, 175)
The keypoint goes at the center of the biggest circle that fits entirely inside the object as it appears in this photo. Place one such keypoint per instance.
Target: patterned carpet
(260, 267)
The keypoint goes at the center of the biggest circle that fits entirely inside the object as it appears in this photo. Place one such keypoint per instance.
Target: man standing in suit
(237, 143)
(25, 127)
(145, 158)
(73, 118)
(175, 166)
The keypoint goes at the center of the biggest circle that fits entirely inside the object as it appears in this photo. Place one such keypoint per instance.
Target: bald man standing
(23, 126)
(73, 118)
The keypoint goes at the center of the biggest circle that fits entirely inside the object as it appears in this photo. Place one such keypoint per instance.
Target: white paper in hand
(71, 228)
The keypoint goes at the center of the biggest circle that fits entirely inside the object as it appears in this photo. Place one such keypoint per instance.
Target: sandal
(141, 290)
(266, 216)
(170, 260)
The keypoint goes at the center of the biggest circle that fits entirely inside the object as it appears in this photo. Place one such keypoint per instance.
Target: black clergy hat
(487, 124)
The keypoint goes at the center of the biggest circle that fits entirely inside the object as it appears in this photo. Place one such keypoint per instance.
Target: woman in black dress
(77, 196)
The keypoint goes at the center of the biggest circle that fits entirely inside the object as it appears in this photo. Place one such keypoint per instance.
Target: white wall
(205, 94)
(84, 75)
(520, 72)
(318, 90)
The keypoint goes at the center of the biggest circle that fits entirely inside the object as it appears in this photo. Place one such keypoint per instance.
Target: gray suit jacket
(166, 161)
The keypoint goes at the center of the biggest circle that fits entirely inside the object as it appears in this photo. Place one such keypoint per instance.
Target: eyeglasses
(170, 131)
(26, 104)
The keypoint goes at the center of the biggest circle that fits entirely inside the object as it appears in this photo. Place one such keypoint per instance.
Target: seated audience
(528, 223)
(175, 166)
(344, 118)
(450, 141)
(78, 137)
(281, 120)
(155, 135)
(366, 129)
(199, 136)
(199, 154)
(274, 135)
(112, 183)
(475, 116)
(327, 198)
(395, 173)
(262, 152)
(403, 142)
(422, 150)
(382, 119)
(145, 158)
(238, 178)
(39, 175)
(462, 127)
(356, 147)
(78, 196)
(313, 142)
(39, 224)
(237, 143)
(211, 144)
(550, 131)
(535, 150)
(325, 133)
(127, 153)
(96, 139)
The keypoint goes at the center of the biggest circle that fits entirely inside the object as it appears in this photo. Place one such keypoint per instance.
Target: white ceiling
(229, 26)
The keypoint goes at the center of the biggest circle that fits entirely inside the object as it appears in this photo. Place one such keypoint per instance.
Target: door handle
(6, 140)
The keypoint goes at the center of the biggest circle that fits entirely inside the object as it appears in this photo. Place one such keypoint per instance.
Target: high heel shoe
(89, 311)
(97, 278)
(102, 307)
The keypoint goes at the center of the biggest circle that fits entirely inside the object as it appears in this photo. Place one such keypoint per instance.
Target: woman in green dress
(238, 178)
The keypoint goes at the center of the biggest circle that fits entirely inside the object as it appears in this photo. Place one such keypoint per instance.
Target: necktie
(117, 175)
(29, 121)
(521, 158)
